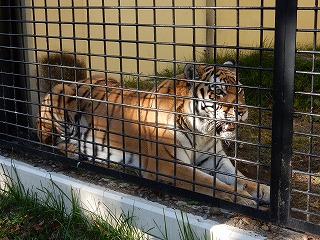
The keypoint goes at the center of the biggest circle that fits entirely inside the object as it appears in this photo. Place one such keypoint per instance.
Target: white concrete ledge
(147, 214)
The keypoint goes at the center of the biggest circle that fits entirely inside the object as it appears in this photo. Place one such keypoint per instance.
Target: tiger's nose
(241, 111)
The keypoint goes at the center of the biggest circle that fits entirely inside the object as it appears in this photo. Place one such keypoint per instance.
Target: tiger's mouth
(230, 126)
(227, 131)
(225, 127)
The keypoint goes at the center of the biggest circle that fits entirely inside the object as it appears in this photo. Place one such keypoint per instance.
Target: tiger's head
(218, 98)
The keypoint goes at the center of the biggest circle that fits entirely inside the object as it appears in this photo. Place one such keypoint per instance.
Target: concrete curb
(147, 214)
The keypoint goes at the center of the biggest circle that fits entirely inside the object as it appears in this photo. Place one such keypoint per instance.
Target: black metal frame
(283, 105)
(16, 119)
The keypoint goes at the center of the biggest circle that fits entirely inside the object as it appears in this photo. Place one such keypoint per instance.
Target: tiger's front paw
(264, 193)
(261, 191)
(245, 201)
(242, 198)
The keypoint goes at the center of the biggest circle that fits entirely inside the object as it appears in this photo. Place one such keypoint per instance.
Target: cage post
(283, 92)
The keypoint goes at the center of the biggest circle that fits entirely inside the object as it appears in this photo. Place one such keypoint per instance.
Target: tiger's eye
(218, 92)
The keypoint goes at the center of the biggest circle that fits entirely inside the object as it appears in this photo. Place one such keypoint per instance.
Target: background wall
(148, 33)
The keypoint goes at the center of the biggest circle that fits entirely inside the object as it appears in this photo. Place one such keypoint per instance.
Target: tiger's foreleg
(187, 177)
(260, 191)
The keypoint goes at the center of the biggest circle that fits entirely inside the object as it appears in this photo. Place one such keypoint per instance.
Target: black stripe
(169, 152)
(69, 100)
(97, 93)
(78, 133)
(218, 163)
(130, 159)
(95, 149)
(185, 134)
(85, 135)
(98, 82)
(98, 103)
(114, 106)
(202, 92)
(86, 106)
(60, 95)
(203, 161)
(86, 93)
(196, 109)
(146, 97)
(103, 140)
(183, 123)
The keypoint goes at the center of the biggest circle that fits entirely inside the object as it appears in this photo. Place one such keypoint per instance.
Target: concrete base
(147, 215)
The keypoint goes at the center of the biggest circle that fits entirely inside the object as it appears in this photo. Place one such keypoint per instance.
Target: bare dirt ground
(305, 178)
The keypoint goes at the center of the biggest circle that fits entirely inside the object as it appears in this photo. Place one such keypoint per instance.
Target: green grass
(46, 214)
(27, 215)
(186, 232)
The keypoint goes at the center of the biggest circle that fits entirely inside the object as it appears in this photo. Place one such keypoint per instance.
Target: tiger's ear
(192, 71)
(230, 64)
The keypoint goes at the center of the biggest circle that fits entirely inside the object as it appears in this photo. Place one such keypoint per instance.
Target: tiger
(172, 133)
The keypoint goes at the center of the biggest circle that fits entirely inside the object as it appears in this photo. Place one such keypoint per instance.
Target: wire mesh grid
(306, 151)
(129, 51)
(140, 45)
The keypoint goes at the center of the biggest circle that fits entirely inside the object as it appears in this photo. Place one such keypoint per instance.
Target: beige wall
(251, 18)
(164, 34)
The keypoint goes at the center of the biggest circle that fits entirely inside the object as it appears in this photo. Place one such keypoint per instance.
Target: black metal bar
(283, 91)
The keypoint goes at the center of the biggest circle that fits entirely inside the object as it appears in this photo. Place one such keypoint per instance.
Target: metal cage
(140, 44)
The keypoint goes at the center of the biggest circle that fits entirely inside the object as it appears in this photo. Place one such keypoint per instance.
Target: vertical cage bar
(260, 80)
(312, 110)
(174, 54)
(283, 91)
(155, 55)
(138, 83)
(210, 32)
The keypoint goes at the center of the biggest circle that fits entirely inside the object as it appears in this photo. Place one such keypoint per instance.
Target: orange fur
(141, 123)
